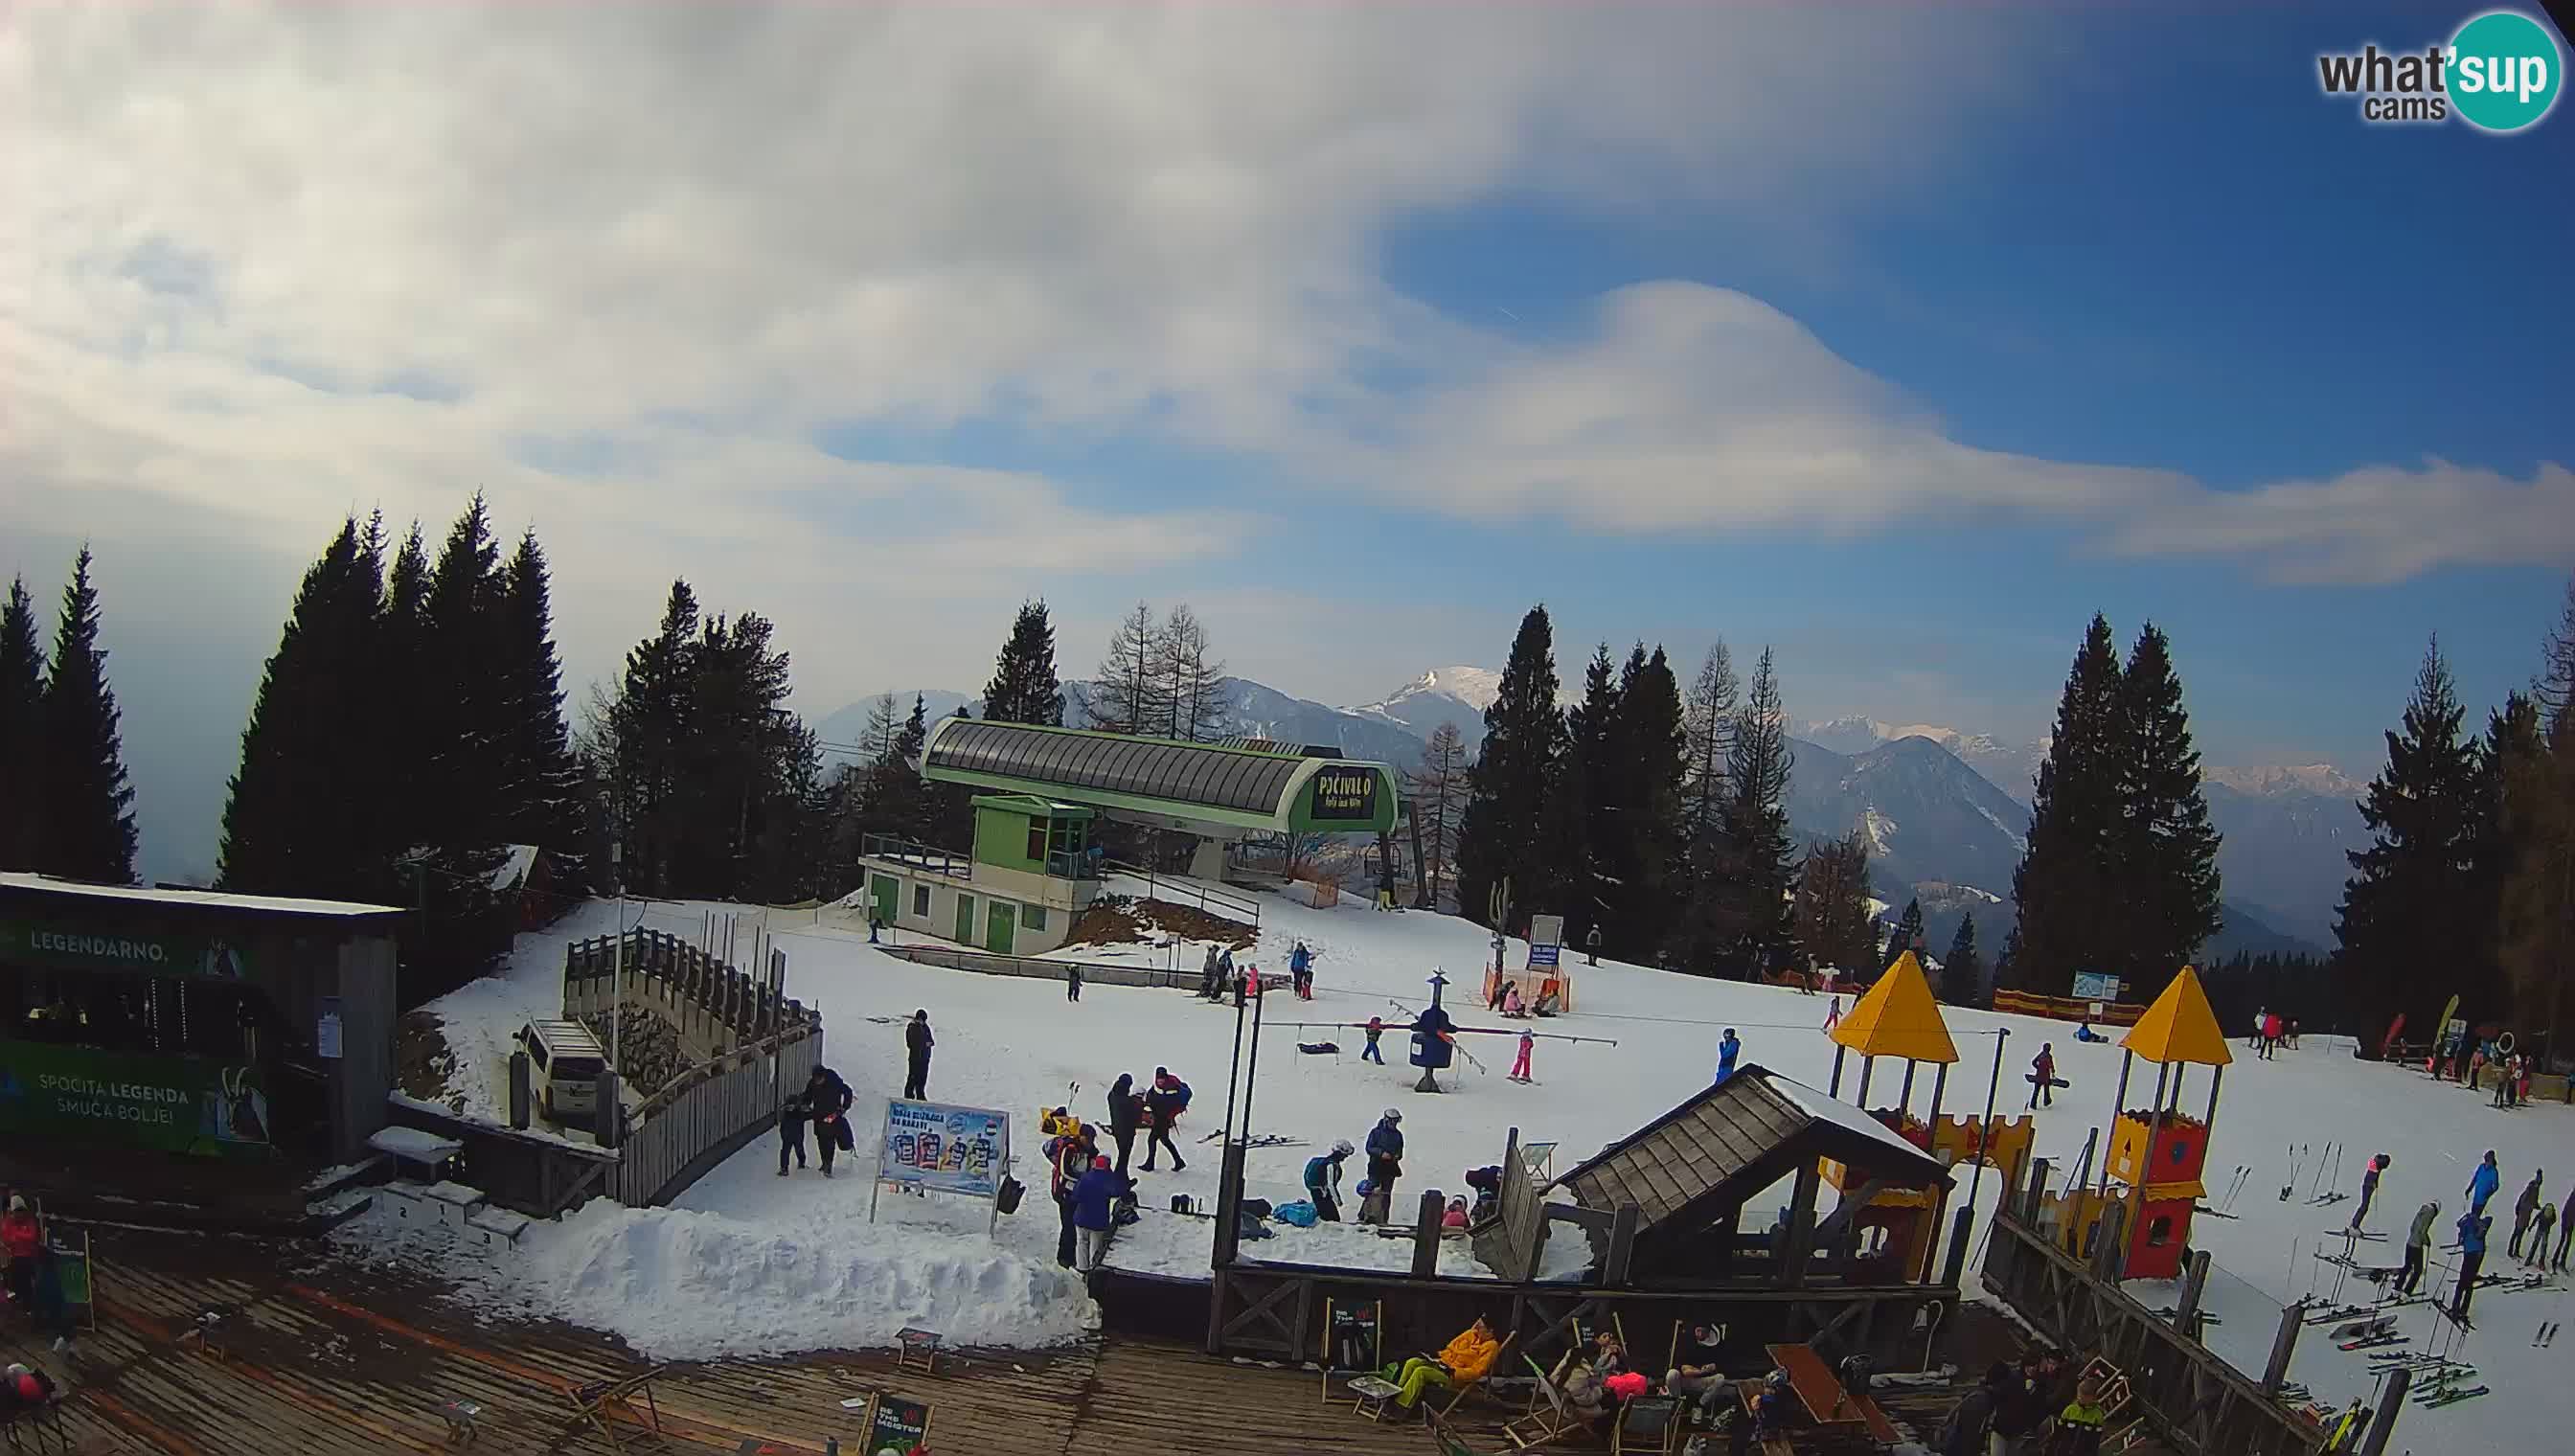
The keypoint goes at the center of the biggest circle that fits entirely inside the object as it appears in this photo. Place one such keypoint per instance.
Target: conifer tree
(541, 785)
(2408, 925)
(2537, 895)
(302, 818)
(650, 722)
(1695, 936)
(1962, 970)
(1513, 776)
(1753, 874)
(468, 711)
(1586, 843)
(22, 730)
(1024, 687)
(1833, 924)
(88, 816)
(1654, 758)
(2063, 888)
(403, 682)
(2163, 845)
(1907, 935)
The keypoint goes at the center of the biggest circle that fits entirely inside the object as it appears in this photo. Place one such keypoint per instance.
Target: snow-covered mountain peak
(2266, 780)
(1474, 687)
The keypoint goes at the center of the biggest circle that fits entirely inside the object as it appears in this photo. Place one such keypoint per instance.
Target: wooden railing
(712, 1002)
(708, 1113)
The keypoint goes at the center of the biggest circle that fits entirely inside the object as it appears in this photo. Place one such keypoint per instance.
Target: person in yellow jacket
(2078, 1426)
(1465, 1358)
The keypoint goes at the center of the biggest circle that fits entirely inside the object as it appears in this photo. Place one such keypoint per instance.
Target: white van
(563, 1066)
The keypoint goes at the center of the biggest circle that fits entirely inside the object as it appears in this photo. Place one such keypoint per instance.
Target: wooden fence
(2067, 1009)
(708, 1113)
(714, 1005)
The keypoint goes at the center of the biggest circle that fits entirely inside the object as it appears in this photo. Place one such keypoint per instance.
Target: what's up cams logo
(2500, 73)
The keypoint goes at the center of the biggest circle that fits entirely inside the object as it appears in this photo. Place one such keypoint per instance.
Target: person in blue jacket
(2472, 1257)
(1386, 1152)
(2482, 1186)
(1095, 1203)
(1728, 1049)
(1301, 965)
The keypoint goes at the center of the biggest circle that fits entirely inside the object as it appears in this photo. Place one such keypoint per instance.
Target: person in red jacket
(23, 1239)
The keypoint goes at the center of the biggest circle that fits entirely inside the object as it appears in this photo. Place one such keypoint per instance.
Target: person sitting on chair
(1463, 1359)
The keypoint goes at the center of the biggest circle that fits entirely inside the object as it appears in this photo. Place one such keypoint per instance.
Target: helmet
(1779, 1380)
(1394, 1114)
(1342, 1148)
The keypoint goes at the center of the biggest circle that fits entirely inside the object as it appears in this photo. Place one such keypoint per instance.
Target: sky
(1901, 339)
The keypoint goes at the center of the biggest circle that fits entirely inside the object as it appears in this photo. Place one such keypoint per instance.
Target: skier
(1072, 981)
(827, 1102)
(790, 1130)
(1728, 1048)
(1372, 1052)
(1095, 1199)
(1300, 970)
(2524, 1209)
(1385, 1153)
(2540, 1228)
(1126, 1114)
(2565, 1228)
(2270, 1036)
(1210, 983)
(2043, 1076)
(2483, 1184)
(2503, 1080)
(2369, 1187)
(2472, 1257)
(1833, 1014)
(1164, 1107)
(917, 1042)
(2418, 1248)
(1521, 1066)
(1323, 1181)
(1592, 946)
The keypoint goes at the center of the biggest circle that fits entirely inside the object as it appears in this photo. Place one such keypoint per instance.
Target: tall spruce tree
(1586, 841)
(22, 730)
(2064, 890)
(1907, 935)
(541, 783)
(1753, 869)
(2537, 896)
(1024, 687)
(2163, 845)
(650, 722)
(403, 681)
(2409, 928)
(1513, 777)
(302, 818)
(88, 825)
(469, 715)
(1962, 970)
(1655, 761)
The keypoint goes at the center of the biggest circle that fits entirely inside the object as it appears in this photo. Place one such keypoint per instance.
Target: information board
(1344, 793)
(2095, 987)
(895, 1426)
(1544, 957)
(1546, 931)
(933, 1145)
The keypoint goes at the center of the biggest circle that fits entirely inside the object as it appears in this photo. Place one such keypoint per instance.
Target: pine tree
(2409, 925)
(650, 721)
(1753, 872)
(1962, 970)
(302, 816)
(2063, 889)
(1126, 696)
(1024, 687)
(403, 682)
(1438, 791)
(88, 824)
(2163, 845)
(2537, 895)
(1514, 773)
(469, 715)
(1832, 923)
(22, 730)
(1907, 935)
(541, 783)
(1654, 758)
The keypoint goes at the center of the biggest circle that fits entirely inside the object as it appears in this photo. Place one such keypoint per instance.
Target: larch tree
(1437, 789)
(87, 831)
(1755, 873)
(1125, 698)
(1189, 697)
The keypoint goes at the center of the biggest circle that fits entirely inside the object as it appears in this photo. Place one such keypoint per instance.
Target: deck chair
(1550, 1415)
(598, 1403)
(1649, 1423)
(1464, 1388)
(1443, 1435)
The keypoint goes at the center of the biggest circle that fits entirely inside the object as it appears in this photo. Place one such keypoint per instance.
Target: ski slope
(750, 1263)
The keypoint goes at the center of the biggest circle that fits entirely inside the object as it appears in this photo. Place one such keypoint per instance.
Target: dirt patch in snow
(1123, 920)
(423, 1064)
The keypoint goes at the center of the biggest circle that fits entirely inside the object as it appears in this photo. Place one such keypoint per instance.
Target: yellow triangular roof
(2180, 1026)
(1899, 1019)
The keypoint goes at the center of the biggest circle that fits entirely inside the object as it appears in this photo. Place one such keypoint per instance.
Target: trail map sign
(2095, 987)
(173, 1103)
(895, 1426)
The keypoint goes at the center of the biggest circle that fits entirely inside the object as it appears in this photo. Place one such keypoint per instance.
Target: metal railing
(920, 856)
(1196, 894)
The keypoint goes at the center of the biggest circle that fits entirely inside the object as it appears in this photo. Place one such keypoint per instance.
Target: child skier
(1726, 1050)
(1833, 1014)
(2540, 1228)
(1375, 1030)
(1323, 1181)
(2369, 1186)
(1521, 1067)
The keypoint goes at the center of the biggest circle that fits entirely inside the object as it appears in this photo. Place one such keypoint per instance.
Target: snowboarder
(1385, 1153)
(1592, 946)
(917, 1042)
(1163, 1107)
(2540, 1228)
(1372, 1053)
(2043, 1076)
(1520, 1065)
(790, 1130)
(1126, 1114)
(2524, 1210)
(2418, 1249)
(1323, 1181)
(2472, 1257)
(1094, 1200)
(1728, 1048)
(2482, 1185)
(1072, 981)
(1833, 1014)
(827, 1102)
(2369, 1186)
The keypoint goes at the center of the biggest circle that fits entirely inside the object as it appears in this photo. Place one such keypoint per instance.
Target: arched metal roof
(1194, 774)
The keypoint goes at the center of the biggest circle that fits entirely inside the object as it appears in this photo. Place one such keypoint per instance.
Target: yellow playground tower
(2157, 1152)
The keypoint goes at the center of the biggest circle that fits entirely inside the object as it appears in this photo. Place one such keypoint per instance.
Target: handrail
(723, 1061)
(928, 857)
(1190, 889)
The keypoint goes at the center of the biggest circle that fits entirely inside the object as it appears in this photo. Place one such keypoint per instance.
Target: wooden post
(2283, 1346)
(1841, 1054)
(2194, 1281)
(2391, 1404)
(1867, 1066)
(2035, 1193)
(1623, 1246)
(1426, 1236)
(1798, 1241)
(2118, 1103)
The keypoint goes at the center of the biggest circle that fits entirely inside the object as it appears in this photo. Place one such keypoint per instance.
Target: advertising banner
(173, 1103)
(96, 947)
(896, 1428)
(947, 1150)
(1344, 794)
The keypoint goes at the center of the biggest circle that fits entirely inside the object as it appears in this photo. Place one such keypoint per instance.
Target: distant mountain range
(1947, 812)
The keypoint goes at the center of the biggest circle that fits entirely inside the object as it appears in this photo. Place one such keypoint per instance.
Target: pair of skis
(2547, 1336)
(2436, 1396)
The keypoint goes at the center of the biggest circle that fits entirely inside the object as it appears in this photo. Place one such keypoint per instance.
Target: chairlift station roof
(1209, 789)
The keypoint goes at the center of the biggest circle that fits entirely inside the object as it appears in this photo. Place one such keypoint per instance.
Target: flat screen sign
(1346, 793)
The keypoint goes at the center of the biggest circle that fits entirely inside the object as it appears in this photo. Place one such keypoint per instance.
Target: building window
(1037, 842)
(920, 902)
(1033, 916)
